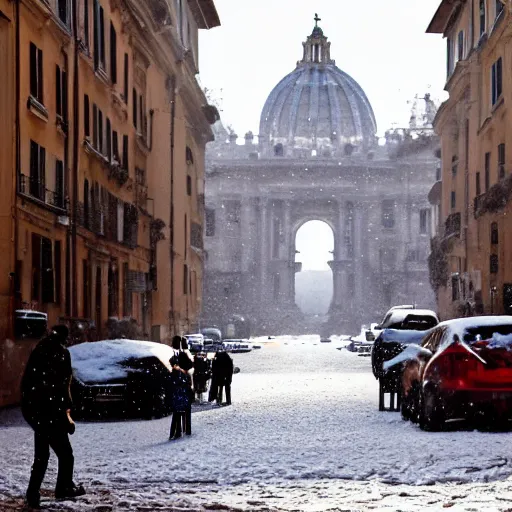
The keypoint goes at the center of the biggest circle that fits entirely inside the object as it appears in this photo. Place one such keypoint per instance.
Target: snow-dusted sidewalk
(304, 433)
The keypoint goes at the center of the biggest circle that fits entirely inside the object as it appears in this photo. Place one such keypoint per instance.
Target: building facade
(105, 175)
(317, 158)
(470, 268)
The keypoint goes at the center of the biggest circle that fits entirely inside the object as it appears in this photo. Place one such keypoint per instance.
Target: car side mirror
(236, 369)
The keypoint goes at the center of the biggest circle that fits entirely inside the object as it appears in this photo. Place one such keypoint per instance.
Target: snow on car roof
(402, 335)
(461, 325)
(399, 315)
(102, 361)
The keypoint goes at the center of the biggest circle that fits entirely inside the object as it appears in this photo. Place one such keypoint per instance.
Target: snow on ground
(304, 433)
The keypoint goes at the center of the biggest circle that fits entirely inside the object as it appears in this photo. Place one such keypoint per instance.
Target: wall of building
(103, 162)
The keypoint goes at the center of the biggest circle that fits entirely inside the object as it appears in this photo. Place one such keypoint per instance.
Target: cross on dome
(317, 19)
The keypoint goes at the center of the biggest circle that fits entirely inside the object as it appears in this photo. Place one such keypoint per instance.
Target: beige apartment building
(470, 261)
(103, 130)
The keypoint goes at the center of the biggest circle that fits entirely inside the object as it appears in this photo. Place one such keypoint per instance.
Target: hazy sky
(314, 255)
(381, 44)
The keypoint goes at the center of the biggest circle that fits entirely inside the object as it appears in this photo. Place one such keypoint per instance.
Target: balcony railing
(37, 190)
(452, 225)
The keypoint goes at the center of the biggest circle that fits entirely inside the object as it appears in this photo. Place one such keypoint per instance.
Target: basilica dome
(317, 109)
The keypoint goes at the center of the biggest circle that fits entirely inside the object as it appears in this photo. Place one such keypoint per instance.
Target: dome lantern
(317, 49)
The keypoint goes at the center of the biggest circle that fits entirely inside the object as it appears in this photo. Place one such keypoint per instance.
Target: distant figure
(222, 370)
(201, 374)
(187, 363)
(180, 398)
(46, 406)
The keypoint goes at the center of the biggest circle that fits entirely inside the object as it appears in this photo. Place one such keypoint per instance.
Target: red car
(461, 370)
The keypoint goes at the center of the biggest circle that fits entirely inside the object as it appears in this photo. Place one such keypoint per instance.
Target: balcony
(36, 190)
(452, 225)
(141, 196)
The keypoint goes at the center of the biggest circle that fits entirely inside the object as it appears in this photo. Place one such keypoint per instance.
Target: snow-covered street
(304, 433)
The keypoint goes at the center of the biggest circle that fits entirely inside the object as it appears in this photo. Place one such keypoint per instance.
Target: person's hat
(61, 331)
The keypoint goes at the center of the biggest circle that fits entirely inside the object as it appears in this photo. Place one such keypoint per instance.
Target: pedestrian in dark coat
(180, 397)
(46, 406)
(201, 375)
(222, 369)
(186, 362)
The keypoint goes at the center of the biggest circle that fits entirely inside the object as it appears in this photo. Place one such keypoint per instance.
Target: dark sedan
(121, 378)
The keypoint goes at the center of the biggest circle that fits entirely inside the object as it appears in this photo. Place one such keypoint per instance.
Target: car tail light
(457, 362)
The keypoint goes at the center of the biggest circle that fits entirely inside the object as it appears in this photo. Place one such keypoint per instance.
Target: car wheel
(431, 413)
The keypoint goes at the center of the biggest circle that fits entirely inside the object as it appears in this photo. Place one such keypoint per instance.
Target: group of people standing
(189, 380)
(46, 403)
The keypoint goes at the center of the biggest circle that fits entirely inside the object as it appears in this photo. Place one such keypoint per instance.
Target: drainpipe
(74, 172)
(171, 223)
(17, 172)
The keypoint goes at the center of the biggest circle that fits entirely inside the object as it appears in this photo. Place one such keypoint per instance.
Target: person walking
(201, 375)
(180, 398)
(222, 369)
(46, 406)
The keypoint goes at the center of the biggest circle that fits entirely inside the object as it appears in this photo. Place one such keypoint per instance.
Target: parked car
(125, 378)
(463, 369)
(195, 342)
(237, 346)
(406, 327)
(212, 333)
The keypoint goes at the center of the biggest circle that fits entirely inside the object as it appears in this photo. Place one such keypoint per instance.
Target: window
(36, 73)
(87, 117)
(196, 235)
(125, 152)
(100, 131)
(185, 279)
(278, 150)
(63, 11)
(455, 288)
(86, 24)
(424, 218)
(115, 147)
(460, 45)
(388, 213)
(58, 271)
(128, 299)
(189, 185)
(97, 129)
(99, 36)
(496, 81)
(499, 7)
(487, 171)
(59, 184)
(86, 204)
(86, 290)
(37, 170)
(113, 290)
(113, 54)
(449, 57)
(494, 233)
(189, 157)
(109, 140)
(61, 87)
(455, 165)
(42, 270)
(453, 201)
(482, 17)
(493, 264)
(478, 187)
(125, 86)
(501, 161)
(134, 107)
(210, 221)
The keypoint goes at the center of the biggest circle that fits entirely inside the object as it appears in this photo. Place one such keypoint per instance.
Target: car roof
(399, 315)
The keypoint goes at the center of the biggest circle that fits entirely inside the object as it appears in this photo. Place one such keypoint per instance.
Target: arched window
(278, 150)
(494, 233)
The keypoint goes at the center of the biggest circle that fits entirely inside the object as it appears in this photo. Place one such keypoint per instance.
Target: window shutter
(42, 169)
(87, 117)
(115, 146)
(36, 267)
(120, 221)
(58, 271)
(34, 166)
(40, 75)
(33, 70)
(59, 184)
(134, 107)
(95, 126)
(58, 88)
(109, 140)
(64, 95)
(125, 152)
(100, 131)
(113, 54)
(96, 34)
(126, 78)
